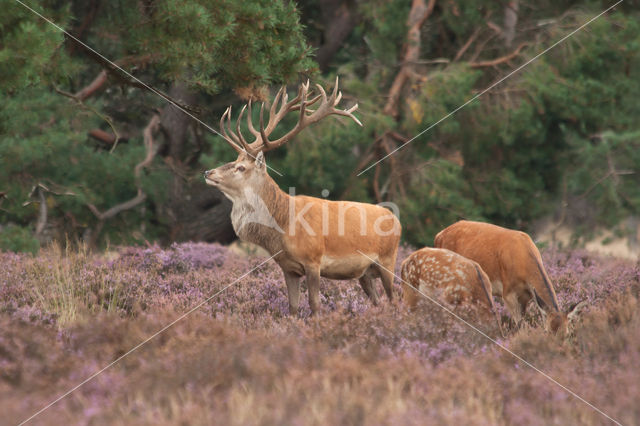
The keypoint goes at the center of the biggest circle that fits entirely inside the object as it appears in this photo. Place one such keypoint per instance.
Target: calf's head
(559, 323)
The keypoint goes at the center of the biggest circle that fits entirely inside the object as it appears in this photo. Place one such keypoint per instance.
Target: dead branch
(118, 208)
(496, 28)
(417, 16)
(42, 217)
(510, 21)
(480, 46)
(40, 190)
(151, 150)
(104, 117)
(102, 136)
(467, 44)
(500, 60)
(93, 87)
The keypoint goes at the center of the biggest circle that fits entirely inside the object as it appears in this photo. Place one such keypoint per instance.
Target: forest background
(88, 154)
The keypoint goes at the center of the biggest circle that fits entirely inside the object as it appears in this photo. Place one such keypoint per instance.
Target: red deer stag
(514, 265)
(460, 281)
(308, 236)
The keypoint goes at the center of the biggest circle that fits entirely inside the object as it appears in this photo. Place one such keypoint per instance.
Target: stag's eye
(240, 169)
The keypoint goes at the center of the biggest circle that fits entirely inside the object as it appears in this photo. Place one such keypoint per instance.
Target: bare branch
(467, 44)
(151, 150)
(42, 217)
(102, 136)
(150, 146)
(510, 21)
(500, 60)
(113, 211)
(93, 87)
(104, 117)
(417, 16)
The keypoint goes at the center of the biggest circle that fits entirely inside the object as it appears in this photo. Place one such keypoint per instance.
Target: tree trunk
(338, 19)
(195, 211)
(510, 21)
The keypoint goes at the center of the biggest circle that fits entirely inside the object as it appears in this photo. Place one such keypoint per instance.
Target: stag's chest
(256, 226)
(240, 217)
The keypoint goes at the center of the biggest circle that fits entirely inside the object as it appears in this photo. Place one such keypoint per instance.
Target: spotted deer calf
(514, 266)
(307, 236)
(459, 280)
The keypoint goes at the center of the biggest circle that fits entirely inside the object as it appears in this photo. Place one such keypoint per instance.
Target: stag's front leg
(293, 288)
(313, 284)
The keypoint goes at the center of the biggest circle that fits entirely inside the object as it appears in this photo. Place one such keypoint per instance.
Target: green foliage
(604, 171)
(437, 195)
(384, 26)
(213, 45)
(18, 239)
(29, 48)
(568, 119)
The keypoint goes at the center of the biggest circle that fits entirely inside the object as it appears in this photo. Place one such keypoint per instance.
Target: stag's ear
(260, 163)
(575, 310)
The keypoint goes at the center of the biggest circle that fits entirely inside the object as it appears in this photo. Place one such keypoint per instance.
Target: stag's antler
(307, 116)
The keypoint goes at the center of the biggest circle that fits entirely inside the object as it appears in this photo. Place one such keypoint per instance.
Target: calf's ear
(540, 305)
(575, 309)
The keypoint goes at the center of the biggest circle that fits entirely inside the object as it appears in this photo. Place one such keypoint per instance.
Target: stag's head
(250, 167)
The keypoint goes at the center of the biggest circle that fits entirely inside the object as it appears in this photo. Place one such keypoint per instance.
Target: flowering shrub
(241, 359)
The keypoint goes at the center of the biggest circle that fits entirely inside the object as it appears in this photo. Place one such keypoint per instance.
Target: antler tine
(253, 131)
(314, 100)
(326, 105)
(335, 89)
(245, 146)
(231, 139)
(348, 113)
(274, 105)
(263, 134)
(323, 95)
(337, 101)
(303, 106)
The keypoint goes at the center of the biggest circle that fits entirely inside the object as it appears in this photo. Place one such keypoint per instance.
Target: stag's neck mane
(260, 215)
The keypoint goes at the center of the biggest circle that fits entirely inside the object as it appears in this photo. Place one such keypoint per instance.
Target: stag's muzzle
(210, 177)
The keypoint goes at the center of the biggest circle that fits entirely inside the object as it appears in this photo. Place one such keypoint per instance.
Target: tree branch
(417, 16)
(500, 60)
(93, 87)
(118, 208)
(149, 144)
(140, 197)
(104, 117)
(467, 44)
(510, 21)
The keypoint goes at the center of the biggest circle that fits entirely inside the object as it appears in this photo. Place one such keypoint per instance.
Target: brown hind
(514, 266)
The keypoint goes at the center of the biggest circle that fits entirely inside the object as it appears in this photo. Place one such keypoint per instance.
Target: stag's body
(514, 266)
(459, 280)
(307, 236)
